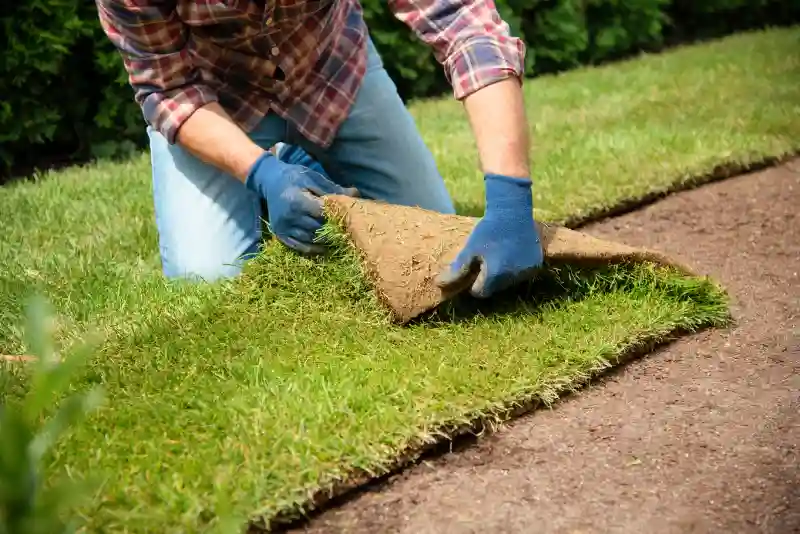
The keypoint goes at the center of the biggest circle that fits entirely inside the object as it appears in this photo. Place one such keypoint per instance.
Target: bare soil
(700, 436)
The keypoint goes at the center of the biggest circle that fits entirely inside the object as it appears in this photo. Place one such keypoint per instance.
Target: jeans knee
(203, 265)
(200, 271)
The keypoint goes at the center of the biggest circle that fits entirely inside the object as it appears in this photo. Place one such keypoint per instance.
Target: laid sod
(609, 137)
(265, 390)
(291, 379)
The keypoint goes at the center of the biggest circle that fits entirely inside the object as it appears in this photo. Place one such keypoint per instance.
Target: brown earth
(700, 436)
(403, 249)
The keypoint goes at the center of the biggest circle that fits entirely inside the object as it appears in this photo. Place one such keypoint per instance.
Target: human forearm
(504, 247)
(483, 63)
(211, 135)
(497, 117)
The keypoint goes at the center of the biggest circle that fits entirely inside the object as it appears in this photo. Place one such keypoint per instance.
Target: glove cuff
(508, 193)
(266, 165)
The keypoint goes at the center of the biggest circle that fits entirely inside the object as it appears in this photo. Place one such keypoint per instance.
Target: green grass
(291, 379)
(271, 387)
(603, 137)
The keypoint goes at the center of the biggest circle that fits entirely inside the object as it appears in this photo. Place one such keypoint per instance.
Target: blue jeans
(208, 221)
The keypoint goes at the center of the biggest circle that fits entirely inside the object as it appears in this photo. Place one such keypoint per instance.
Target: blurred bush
(64, 95)
(63, 92)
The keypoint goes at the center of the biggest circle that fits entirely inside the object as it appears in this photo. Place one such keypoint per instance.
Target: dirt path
(701, 436)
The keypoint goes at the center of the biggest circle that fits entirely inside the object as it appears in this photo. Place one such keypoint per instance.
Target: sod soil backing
(402, 249)
(701, 436)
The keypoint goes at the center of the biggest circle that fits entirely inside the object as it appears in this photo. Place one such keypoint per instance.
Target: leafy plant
(27, 506)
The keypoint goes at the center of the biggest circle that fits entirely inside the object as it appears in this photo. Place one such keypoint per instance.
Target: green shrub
(63, 86)
(408, 61)
(694, 20)
(65, 94)
(39, 37)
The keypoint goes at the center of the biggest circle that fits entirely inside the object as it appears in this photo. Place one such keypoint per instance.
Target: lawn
(275, 386)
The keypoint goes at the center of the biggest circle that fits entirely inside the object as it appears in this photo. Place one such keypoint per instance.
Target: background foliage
(65, 95)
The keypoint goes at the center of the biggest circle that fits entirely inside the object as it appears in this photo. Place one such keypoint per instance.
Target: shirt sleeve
(153, 43)
(468, 38)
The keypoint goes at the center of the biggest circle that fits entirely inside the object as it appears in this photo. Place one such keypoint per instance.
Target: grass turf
(275, 385)
(290, 380)
(602, 137)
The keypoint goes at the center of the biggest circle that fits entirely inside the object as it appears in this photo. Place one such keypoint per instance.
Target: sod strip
(607, 139)
(291, 383)
(601, 137)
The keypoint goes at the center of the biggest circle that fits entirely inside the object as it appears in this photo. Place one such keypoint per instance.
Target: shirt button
(275, 50)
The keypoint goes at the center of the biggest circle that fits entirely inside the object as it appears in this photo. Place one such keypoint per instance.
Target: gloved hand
(293, 200)
(504, 244)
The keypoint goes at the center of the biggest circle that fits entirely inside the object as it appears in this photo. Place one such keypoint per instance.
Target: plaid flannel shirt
(302, 59)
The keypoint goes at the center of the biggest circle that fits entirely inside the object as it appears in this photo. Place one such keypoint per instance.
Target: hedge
(65, 96)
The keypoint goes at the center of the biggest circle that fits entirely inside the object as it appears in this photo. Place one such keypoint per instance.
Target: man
(222, 82)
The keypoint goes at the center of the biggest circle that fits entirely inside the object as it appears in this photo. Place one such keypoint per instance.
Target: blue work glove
(293, 194)
(504, 244)
(294, 155)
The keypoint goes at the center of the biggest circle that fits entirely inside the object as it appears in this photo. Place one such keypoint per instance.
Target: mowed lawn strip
(269, 388)
(606, 136)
